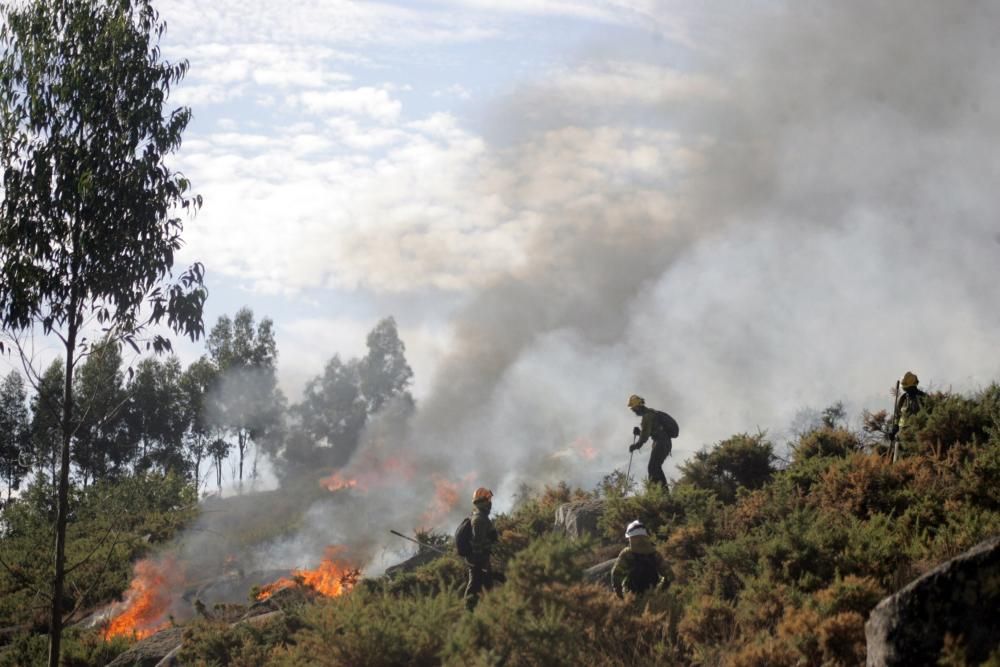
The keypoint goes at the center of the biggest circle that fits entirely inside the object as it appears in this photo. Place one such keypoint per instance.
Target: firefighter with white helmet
(638, 568)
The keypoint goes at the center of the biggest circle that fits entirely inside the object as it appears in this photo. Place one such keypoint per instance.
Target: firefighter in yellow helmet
(658, 426)
(908, 404)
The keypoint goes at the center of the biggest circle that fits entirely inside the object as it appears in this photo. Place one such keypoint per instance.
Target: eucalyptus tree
(90, 217)
(156, 416)
(15, 431)
(101, 439)
(337, 404)
(196, 384)
(246, 400)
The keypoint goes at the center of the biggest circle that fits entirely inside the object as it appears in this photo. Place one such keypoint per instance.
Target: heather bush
(216, 642)
(447, 573)
(825, 442)
(743, 461)
(373, 629)
(654, 507)
(81, 648)
(544, 616)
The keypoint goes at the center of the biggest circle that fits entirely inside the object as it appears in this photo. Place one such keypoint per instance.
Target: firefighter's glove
(634, 447)
(636, 430)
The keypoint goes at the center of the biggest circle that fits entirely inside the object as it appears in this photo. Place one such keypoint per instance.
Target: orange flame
(584, 448)
(445, 499)
(336, 482)
(376, 473)
(147, 600)
(334, 576)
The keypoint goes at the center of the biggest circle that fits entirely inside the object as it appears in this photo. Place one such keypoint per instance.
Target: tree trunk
(55, 622)
(241, 441)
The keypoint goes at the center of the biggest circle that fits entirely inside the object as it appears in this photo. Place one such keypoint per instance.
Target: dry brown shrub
(686, 543)
(842, 639)
(769, 653)
(864, 486)
(762, 605)
(708, 621)
(852, 593)
(799, 628)
(750, 511)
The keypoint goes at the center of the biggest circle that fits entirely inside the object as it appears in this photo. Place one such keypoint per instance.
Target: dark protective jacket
(909, 403)
(638, 568)
(484, 536)
(657, 425)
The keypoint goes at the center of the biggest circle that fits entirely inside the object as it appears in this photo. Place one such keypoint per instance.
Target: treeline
(155, 415)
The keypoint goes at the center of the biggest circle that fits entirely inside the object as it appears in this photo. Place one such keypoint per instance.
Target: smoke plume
(824, 220)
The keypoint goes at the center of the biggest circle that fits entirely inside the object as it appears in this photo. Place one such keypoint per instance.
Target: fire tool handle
(423, 544)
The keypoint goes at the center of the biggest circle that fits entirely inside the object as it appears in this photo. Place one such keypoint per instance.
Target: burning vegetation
(334, 576)
(147, 601)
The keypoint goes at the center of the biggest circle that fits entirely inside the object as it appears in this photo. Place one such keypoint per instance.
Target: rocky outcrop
(151, 651)
(960, 598)
(422, 557)
(579, 519)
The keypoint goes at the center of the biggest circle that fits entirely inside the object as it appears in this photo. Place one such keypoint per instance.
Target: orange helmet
(482, 494)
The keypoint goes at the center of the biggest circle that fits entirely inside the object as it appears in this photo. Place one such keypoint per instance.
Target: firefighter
(482, 538)
(659, 426)
(638, 567)
(909, 403)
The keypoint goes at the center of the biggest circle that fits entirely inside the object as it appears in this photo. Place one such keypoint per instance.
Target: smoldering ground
(821, 222)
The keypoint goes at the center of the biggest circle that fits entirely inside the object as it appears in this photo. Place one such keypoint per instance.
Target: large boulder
(579, 519)
(422, 557)
(150, 651)
(960, 598)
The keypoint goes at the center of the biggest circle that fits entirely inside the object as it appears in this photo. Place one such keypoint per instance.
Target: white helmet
(635, 529)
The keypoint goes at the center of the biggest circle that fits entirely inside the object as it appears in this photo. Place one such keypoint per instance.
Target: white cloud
(622, 83)
(342, 22)
(454, 90)
(365, 101)
(403, 208)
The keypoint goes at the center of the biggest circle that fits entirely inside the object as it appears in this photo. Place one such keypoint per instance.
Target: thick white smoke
(824, 221)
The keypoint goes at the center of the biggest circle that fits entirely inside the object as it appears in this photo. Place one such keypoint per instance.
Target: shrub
(842, 639)
(825, 442)
(214, 642)
(654, 507)
(742, 461)
(543, 616)
(372, 629)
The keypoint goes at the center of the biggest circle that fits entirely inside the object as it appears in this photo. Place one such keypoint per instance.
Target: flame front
(336, 482)
(147, 600)
(445, 500)
(334, 576)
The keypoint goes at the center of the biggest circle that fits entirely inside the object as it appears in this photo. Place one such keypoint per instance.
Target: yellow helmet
(634, 401)
(909, 380)
(482, 494)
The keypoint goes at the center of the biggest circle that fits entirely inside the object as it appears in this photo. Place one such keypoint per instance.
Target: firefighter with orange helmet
(475, 541)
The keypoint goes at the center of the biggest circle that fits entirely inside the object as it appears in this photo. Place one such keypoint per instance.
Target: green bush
(743, 461)
(373, 629)
(257, 642)
(825, 442)
(543, 616)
